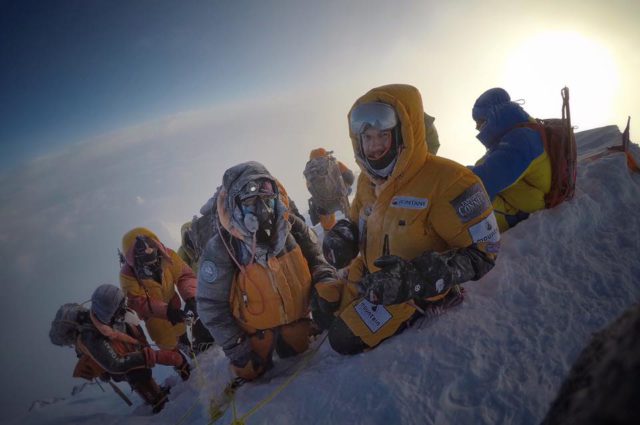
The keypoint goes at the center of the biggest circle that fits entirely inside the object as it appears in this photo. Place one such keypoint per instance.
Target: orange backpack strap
(537, 125)
(86, 368)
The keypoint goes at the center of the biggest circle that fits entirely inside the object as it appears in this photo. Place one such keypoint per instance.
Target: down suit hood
(230, 214)
(500, 113)
(412, 153)
(129, 240)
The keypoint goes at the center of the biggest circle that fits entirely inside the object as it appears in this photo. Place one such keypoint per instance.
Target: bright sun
(545, 63)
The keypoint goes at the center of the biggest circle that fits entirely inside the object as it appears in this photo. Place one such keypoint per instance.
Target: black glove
(322, 311)
(175, 315)
(397, 281)
(201, 335)
(340, 244)
(191, 305)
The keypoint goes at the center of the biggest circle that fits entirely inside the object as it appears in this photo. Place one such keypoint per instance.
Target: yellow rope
(201, 384)
(274, 393)
(188, 412)
(235, 411)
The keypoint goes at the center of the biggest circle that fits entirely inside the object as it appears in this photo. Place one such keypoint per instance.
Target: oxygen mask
(147, 261)
(258, 205)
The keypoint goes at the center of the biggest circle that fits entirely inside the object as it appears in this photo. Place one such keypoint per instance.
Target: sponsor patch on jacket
(374, 316)
(208, 271)
(409, 202)
(472, 203)
(486, 230)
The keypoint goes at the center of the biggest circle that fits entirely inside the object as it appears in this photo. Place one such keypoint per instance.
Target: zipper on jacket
(275, 287)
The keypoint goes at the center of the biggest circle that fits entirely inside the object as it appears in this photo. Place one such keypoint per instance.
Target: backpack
(325, 183)
(66, 324)
(560, 145)
(202, 229)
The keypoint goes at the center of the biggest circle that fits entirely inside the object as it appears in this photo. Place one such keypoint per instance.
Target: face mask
(147, 261)
(259, 216)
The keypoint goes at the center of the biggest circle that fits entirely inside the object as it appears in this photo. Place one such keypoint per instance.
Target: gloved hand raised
(398, 281)
(340, 244)
(202, 339)
(191, 305)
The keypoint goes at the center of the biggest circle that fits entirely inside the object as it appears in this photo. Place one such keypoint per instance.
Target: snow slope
(500, 357)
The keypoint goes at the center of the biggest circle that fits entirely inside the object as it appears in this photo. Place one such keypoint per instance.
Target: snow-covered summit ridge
(500, 357)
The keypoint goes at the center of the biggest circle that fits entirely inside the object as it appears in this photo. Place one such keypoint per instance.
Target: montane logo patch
(409, 202)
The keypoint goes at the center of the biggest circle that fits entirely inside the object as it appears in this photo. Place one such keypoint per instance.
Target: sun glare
(545, 63)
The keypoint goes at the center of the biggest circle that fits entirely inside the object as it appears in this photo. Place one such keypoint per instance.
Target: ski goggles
(378, 115)
(264, 188)
(251, 205)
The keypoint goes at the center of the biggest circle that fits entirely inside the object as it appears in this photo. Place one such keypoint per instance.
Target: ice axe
(118, 391)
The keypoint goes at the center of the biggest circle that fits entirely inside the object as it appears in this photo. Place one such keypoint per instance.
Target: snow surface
(500, 357)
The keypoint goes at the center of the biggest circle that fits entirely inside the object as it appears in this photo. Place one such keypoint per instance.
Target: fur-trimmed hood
(230, 214)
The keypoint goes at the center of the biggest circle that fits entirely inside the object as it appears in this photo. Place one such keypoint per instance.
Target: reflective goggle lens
(263, 188)
(374, 114)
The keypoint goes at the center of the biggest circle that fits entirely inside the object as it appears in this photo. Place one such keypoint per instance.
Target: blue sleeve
(505, 165)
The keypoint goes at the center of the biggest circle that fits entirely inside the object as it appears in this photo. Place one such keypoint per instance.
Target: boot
(183, 371)
(151, 393)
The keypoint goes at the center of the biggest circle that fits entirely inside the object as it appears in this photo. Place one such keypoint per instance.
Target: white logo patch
(374, 316)
(409, 202)
(486, 230)
(208, 271)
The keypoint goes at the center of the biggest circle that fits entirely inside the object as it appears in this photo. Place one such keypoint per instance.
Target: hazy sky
(119, 114)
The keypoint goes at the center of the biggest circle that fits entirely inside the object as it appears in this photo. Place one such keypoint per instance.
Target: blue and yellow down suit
(516, 170)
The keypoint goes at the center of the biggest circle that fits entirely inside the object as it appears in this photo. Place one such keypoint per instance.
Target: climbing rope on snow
(216, 412)
(201, 383)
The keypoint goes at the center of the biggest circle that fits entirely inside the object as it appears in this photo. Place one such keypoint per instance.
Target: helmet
(108, 303)
(340, 244)
(376, 124)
